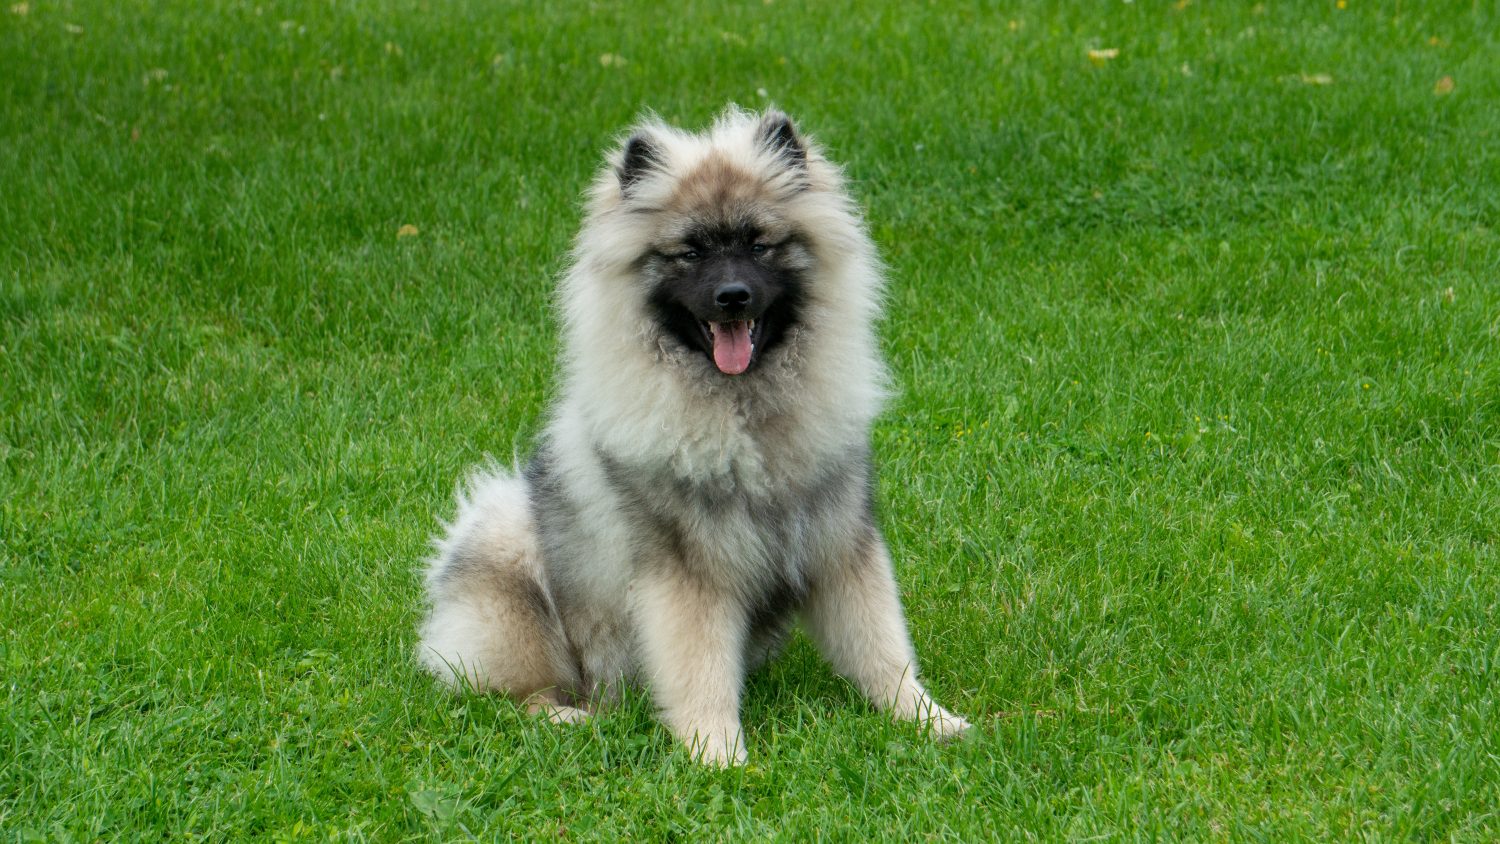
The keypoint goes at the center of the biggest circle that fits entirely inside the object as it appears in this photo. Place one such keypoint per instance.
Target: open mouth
(732, 342)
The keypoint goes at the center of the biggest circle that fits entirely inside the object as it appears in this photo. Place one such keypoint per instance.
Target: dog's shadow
(796, 684)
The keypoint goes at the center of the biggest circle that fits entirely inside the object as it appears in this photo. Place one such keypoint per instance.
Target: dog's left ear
(778, 135)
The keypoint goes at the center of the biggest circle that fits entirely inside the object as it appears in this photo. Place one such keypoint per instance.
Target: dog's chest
(765, 519)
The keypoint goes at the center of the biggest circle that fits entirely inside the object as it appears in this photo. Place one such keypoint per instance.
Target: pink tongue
(731, 346)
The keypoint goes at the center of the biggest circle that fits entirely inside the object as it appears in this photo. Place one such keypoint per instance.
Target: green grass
(1193, 478)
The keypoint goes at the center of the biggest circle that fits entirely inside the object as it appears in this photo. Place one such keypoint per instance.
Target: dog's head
(725, 264)
(726, 234)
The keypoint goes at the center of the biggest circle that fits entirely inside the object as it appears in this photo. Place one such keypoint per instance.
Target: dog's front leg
(854, 616)
(692, 641)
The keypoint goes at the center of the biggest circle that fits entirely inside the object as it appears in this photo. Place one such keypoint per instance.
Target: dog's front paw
(717, 748)
(943, 725)
(933, 719)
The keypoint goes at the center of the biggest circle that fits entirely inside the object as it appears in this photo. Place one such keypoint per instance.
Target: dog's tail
(493, 624)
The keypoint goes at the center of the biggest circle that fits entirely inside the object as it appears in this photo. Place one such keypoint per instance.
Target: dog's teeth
(752, 328)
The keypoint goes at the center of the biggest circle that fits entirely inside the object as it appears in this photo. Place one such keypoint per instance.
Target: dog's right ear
(640, 156)
(778, 135)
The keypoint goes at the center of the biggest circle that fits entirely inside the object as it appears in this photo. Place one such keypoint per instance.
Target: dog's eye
(690, 255)
(760, 248)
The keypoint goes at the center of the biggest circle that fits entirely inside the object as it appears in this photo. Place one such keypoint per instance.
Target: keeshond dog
(704, 478)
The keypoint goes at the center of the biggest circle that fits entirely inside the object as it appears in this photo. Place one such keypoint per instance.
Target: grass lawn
(1193, 478)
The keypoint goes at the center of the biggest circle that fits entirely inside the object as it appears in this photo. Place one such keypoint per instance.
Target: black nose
(732, 295)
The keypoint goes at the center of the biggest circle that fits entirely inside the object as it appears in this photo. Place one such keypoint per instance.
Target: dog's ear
(640, 156)
(778, 135)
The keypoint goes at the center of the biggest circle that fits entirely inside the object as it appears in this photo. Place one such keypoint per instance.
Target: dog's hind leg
(854, 616)
(493, 624)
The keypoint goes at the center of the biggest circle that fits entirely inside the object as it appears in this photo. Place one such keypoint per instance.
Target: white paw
(936, 721)
(556, 713)
(943, 725)
(717, 749)
(566, 715)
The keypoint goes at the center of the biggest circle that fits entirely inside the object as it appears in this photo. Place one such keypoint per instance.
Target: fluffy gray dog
(704, 479)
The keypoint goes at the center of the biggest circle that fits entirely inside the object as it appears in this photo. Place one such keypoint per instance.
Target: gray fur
(676, 519)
